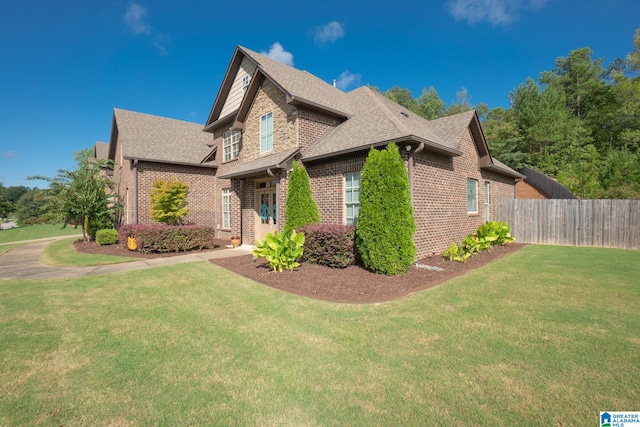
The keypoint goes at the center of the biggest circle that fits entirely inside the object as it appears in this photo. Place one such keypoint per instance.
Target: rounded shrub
(108, 236)
(385, 228)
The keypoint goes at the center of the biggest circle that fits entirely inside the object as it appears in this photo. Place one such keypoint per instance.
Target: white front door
(266, 212)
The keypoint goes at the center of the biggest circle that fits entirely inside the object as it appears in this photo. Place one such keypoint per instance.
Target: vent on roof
(404, 113)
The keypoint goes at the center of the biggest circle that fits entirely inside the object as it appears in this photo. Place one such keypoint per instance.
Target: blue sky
(65, 65)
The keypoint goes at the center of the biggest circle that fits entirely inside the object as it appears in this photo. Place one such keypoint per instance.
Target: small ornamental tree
(169, 201)
(301, 208)
(385, 228)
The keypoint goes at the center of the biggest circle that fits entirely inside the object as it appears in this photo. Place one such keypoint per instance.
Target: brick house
(267, 114)
(146, 148)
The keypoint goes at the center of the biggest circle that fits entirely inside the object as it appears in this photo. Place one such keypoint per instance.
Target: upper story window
(472, 196)
(245, 83)
(352, 197)
(230, 144)
(266, 132)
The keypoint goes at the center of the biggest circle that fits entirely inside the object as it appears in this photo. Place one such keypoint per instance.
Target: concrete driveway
(24, 262)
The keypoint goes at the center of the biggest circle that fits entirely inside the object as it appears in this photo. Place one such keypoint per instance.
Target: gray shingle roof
(102, 150)
(148, 137)
(377, 120)
(301, 85)
(452, 128)
(260, 165)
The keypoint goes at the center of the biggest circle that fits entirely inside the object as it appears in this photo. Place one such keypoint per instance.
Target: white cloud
(329, 33)
(134, 18)
(496, 12)
(160, 42)
(347, 80)
(277, 52)
(9, 154)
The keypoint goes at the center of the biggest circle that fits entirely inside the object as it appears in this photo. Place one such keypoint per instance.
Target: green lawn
(61, 253)
(547, 336)
(39, 231)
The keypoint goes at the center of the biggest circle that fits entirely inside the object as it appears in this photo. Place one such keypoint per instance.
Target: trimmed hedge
(169, 238)
(108, 236)
(331, 245)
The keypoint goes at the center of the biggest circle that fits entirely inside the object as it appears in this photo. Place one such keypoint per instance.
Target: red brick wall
(311, 126)
(439, 194)
(201, 182)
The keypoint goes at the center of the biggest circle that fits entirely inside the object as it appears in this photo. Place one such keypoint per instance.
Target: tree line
(579, 122)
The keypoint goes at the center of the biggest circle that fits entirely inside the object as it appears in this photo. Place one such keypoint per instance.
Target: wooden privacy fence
(606, 223)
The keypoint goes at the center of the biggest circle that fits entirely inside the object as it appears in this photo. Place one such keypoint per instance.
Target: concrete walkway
(24, 262)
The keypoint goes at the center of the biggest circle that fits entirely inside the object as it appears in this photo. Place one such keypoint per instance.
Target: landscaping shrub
(167, 238)
(385, 228)
(490, 234)
(108, 236)
(281, 250)
(301, 208)
(329, 244)
(169, 201)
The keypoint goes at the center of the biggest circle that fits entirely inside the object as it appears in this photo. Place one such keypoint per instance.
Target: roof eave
(211, 165)
(211, 127)
(508, 172)
(298, 101)
(429, 145)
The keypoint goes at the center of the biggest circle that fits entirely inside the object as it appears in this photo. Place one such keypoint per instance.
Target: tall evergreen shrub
(385, 228)
(301, 208)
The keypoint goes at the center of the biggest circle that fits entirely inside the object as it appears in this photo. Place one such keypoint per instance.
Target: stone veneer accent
(269, 99)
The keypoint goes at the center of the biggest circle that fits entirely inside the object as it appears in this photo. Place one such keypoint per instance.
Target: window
(266, 132)
(472, 196)
(486, 201)
(245, 83)
(231, 144)
(226, 208)
(352, 197)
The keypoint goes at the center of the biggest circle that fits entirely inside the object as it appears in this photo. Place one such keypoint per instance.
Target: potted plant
(235, 241)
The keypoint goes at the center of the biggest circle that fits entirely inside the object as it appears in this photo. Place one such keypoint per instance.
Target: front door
(267, 211)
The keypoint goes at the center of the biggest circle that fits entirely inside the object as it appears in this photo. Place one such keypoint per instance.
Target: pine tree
(385, 228)
(301, 208)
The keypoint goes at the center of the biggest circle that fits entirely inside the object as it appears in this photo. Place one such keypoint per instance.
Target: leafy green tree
(386, 225)
(462, 104)
(31, 208)
(620, 175)
(79, 195)
(504, 137)
(301, 208)
(580, 78)
(430, 106)
(404, 97)
(169, 201)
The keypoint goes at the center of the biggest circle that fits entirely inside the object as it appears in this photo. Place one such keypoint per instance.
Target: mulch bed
(121, 250)
(352, 285)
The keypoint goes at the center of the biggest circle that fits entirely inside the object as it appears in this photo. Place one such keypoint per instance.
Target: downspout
(243, 182)
(410, 166)
(134, 163)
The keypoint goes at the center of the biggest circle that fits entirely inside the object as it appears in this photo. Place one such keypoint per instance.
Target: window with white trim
(245, 83)
(472, 196)
(266, 132)
(226, 208)
(352, 197)
(231, 144)
(486, 201)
